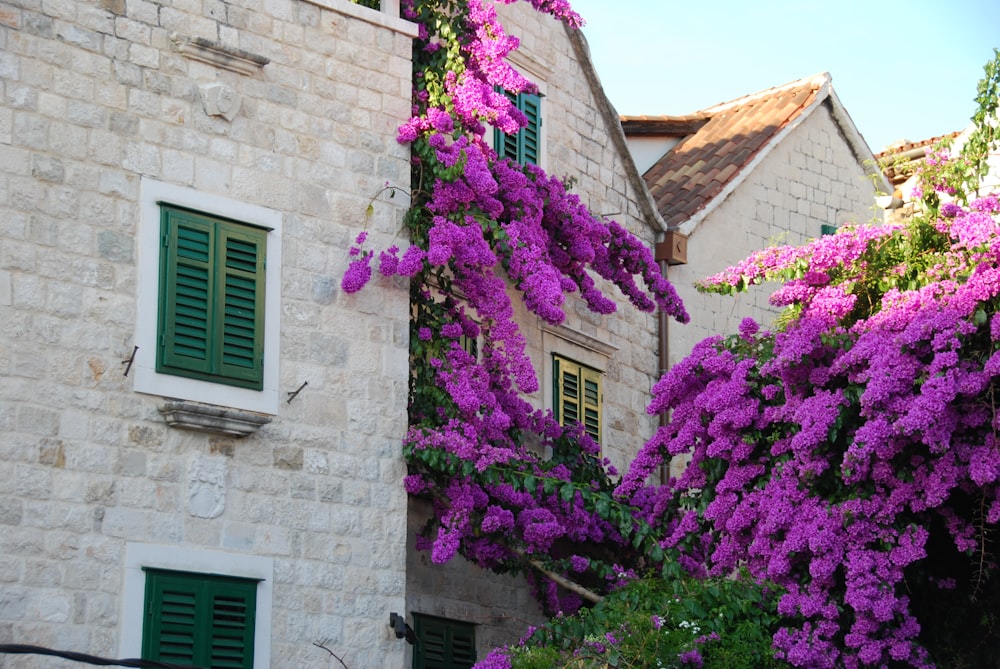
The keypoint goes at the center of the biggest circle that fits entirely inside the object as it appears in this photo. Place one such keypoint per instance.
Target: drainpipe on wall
(671, 251)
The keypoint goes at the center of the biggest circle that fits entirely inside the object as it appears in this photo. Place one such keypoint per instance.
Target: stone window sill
(212, 419)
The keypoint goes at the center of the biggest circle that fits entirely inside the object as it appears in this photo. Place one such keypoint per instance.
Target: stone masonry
(810, 179)
(287, 106)
(578, 126)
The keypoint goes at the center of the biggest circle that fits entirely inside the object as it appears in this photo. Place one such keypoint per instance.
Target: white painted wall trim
(199, 560)
(146, 379)
(387, 17)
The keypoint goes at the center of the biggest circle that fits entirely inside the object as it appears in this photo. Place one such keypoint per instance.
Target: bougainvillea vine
(483, 229)
(850, 457)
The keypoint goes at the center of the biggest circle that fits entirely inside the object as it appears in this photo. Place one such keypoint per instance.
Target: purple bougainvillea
(837, 458)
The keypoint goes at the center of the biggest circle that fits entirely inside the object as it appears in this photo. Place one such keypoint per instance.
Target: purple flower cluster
(483, 230)
(831, 447)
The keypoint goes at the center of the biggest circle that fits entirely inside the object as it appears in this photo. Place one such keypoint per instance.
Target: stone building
(777, 167)
(469, 610)
(198, 429)
(182, 424)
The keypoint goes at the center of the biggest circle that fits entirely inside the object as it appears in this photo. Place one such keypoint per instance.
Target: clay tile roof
(675, 126)
(900, 160)
(721, 142)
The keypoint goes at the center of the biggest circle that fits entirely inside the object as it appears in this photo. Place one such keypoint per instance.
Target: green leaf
(530, 483)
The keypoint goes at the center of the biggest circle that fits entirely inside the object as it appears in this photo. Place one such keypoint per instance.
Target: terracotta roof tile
(900, 160)
(720, 142)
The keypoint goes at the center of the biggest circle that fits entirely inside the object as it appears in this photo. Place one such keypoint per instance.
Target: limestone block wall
(576, 143)
(286, 108)
(810, 179)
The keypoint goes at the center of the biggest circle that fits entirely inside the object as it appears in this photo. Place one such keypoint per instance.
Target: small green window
(470, 345)
(443, 643)
(524, 146)
(826, 229)
(203, 620)
(211, 312)
(578, 395)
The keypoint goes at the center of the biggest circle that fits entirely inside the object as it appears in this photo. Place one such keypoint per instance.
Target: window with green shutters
(578, 395)
(204, 620)
(826, 229)
(443, 643)
(211, 313)
(524, 146)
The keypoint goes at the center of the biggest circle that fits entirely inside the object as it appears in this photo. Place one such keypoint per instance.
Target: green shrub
(663, 622)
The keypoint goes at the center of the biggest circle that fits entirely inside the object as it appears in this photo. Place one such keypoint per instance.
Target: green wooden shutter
(443, 643)
(470, 345)
(199, 619)
(523, 146)
(241, 307)
(232, 625)
(578, 395)
(211, 316)
(186, 280)
(591, 402)
(529, 139)
(826, 229)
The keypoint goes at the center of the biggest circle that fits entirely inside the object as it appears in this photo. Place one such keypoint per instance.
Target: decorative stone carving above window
(212, 419)
(220, 55)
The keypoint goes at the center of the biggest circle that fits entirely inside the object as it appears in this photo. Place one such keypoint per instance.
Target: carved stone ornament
(220, 100)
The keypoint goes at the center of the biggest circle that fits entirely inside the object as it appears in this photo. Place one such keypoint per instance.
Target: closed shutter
(199, 619)
(578, 395)
(529, 139)
(186, 280)
(591, 401)
(232, 625)
(523, 146)
(211, 299)
(241, 343)
(443, 643)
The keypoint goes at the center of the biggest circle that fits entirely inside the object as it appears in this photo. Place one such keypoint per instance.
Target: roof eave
(822, 93)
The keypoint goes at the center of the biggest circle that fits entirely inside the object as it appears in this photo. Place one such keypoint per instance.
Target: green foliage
(985, 134)
(655, 621)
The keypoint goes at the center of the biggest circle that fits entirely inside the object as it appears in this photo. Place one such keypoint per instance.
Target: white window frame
(192, 560)
(146, 378)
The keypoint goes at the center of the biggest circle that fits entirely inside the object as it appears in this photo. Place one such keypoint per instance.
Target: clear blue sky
(902, 69)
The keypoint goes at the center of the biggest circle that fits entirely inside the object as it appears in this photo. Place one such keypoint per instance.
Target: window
(209, 297)
(826, 229)
(470, 345)
(179, 600)
(371, 4)
(577, 395)
(443, 643)
(199, 619)
(524, 146)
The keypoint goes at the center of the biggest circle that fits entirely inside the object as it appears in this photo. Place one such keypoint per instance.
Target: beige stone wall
(810, 179)
(97, 100)
(576, 143)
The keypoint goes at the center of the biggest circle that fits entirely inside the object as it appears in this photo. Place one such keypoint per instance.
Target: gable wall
(810, 179)
(622, 345)
(95, 97)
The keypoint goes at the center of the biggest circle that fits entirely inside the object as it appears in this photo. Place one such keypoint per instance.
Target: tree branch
(320, 645)
(558, 579)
